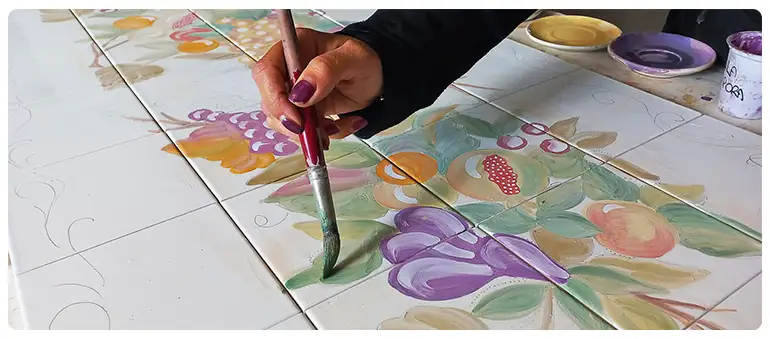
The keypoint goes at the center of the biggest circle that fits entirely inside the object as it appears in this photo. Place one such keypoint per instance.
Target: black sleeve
(423, 52)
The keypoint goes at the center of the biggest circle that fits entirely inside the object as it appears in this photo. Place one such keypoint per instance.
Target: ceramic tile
(479, 160)
(346, 17)
(32, 36)
(298, 322)
(79, 203)
(638, 263)
(365, 206)
(511, 67)
(707, 163)
(15, 319)
(468, 282)
(256, 30)
(612, 117)
(209, 279)
(48, 131)
(740, 311)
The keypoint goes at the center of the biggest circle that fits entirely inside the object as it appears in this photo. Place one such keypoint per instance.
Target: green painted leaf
(121, 13)
(632, 313)
(365, 157)
(708, 235)
(511, 302)
(562, 197)
(357, 204)
(567, 224)
(507, 124)
(607, 280)
(415, 140)
(348, 229)
(474, 126)
(479, 211)
(601, 184)
(741, 227)
(512, 221)
(563, 166)
(339, 148)
(579, 313)
(452, 141)
(358, 258)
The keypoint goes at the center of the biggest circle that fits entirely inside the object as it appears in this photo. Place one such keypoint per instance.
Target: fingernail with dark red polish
(331, 129)
(359, 124)
(302, 92)
(291, 125)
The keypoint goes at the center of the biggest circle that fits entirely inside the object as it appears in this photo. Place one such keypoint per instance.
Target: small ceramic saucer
(572, 32)
(662, 55)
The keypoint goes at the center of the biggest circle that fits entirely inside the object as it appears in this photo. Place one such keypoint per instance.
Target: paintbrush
(310, 140)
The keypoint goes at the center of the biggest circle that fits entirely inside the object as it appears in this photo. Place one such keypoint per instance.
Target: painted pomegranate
(496, 175)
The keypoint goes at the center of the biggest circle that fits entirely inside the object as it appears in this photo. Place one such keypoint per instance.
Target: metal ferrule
(319, 180)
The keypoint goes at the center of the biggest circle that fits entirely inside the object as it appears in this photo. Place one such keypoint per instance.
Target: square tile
(639, 264)
(298, 322)
(122, 189)
(612, 117)
(192, 272)
(53, 130)
(511, 67)
(32, 76)
(468, 282)
(15, 318)
(709, 164)
(346, 17)
(480, 160)
(740, 311)
(256, 30)
(366, 209)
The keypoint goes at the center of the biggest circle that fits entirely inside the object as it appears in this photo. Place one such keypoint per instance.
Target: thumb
(321, 77)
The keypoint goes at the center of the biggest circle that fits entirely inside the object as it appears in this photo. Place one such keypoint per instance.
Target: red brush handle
(310, 139)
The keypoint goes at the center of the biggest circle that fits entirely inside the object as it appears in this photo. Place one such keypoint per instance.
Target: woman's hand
(343, 75)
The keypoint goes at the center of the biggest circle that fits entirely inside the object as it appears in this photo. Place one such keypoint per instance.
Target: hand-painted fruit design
(497, 175)
(398, 197)
(134, 22)
(198, 46)
(416, 166)
(512, 142)
(501, 174)
(632, 229)
(554, 146)
(254, 36)
(534, 128)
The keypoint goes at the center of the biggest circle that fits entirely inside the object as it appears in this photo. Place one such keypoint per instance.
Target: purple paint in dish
(749, 42)
(662, 54)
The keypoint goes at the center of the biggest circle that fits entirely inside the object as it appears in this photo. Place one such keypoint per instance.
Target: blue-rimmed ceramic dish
(661, 55)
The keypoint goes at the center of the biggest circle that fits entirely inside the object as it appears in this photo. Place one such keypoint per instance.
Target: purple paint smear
(749, 42)
(461, 264)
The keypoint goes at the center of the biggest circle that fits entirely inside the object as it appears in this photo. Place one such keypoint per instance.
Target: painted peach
(632, 229)
(497, 175)
(415, 165)
(198, 46)
(134, 22)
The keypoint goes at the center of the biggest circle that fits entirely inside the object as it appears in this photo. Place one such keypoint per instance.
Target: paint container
(741, 93)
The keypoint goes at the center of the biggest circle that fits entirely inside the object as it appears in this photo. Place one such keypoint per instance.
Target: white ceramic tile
(741, 311)
(511, 67)
(15, 319)
(298, 322)
(278, 220)
(33, 36)
(708, 163)
(49, 131)
(122, 188)
(347, 16)
(624, 116)
(454, 293)
(192, 272)
(642, 260)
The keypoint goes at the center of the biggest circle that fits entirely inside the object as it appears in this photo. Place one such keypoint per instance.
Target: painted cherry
(534, 128)
(554, 146)
(512, 142)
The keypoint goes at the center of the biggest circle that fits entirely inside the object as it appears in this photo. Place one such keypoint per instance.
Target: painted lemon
(632, 229)
(406, 167)
(134, 22)
(198, 46)
(497, 175)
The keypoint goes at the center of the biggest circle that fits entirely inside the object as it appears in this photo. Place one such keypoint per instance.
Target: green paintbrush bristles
(331, 242)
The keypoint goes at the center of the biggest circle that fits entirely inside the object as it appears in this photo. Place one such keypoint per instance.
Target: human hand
(343, 75)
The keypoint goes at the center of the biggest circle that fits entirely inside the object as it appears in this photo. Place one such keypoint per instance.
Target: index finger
(269, 73)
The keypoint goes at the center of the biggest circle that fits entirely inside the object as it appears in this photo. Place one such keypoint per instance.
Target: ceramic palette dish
(572, 32)
(662, 55)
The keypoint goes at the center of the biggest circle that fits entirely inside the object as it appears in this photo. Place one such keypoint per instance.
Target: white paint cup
(740, 95)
